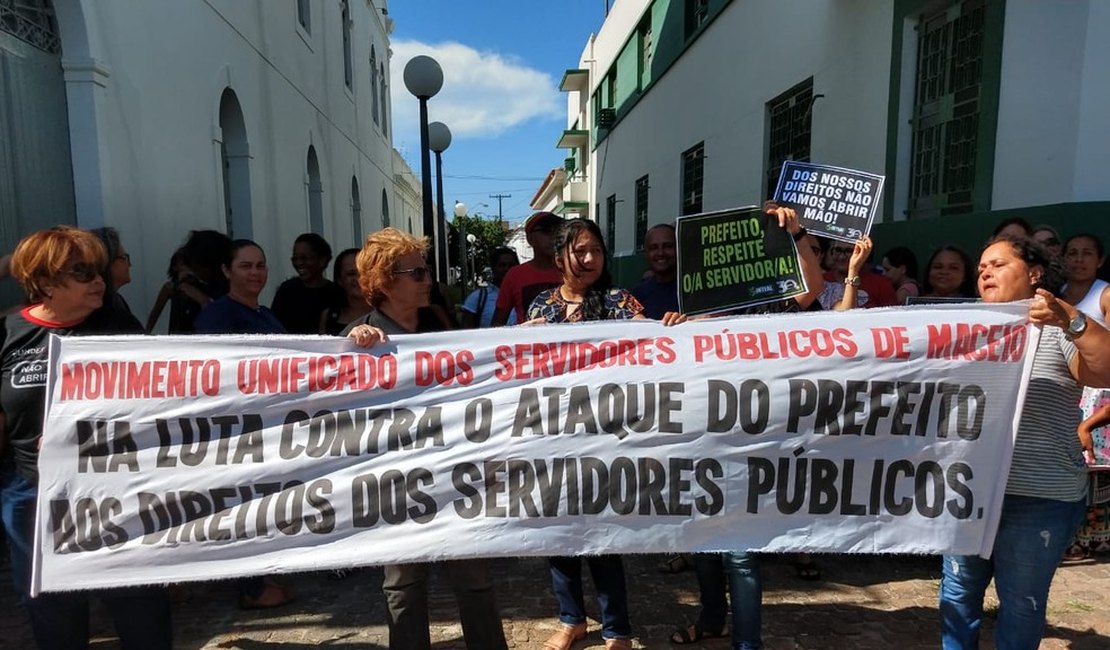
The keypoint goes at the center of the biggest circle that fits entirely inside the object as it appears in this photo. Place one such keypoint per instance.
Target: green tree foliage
(489, 233)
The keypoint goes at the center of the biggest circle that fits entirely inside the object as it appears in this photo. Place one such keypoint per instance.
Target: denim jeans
(608, 575)
(1032, 536)
(710, 570)
(745, 584)
(406, 596)
(60, 621)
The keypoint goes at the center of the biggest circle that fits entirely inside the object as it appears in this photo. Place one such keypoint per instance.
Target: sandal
(693, 634)
(1075, 553)
(565, 638)
(618, 644)
(675, 564)
(807, 570)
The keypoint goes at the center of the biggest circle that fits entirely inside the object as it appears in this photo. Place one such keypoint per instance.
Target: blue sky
(502, 61)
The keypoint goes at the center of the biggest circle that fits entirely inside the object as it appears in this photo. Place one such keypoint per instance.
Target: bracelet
(802, 232)
(852, 281)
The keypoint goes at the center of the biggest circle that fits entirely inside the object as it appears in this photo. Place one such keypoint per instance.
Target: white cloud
(484, 93)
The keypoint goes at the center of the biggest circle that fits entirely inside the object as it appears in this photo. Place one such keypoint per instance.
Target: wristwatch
(854, 281)
(1077, 326)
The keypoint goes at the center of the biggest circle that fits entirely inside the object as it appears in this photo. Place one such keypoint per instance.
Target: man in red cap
(525, 281)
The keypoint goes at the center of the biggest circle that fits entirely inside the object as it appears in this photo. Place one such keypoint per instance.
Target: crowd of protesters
(214, 285)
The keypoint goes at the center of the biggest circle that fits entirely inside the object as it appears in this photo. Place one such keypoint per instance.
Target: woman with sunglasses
(239, 312)
(59, 269)
(1047, 236)
(116, 274)
(396, 281)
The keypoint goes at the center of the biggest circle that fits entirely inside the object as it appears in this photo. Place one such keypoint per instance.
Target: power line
(515, 189)
(496, 178)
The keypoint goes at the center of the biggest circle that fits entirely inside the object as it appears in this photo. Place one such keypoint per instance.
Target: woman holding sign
(397, 283)
(59, 269)
(587, 294)
(1046, 491)
(239, 312)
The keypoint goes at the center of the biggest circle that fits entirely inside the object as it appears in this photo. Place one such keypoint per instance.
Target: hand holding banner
(196, 458)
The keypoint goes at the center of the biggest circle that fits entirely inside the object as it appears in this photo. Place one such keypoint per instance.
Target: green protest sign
(734, 258)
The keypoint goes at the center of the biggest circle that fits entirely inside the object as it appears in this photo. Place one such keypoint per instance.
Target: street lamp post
(439, 138)
(470, 241)
(424, 78)
(460, 214)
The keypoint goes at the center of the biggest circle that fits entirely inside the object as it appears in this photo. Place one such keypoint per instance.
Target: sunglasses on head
(418, 273)
(82, 272)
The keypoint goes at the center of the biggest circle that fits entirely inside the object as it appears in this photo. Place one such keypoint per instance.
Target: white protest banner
(173, 459)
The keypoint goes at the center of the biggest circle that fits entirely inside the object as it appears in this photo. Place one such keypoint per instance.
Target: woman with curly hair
(396, 281)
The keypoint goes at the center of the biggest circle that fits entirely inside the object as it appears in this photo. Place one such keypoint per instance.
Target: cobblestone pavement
(861, 602)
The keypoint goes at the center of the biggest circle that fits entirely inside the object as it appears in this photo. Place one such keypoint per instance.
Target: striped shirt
(1048, 462)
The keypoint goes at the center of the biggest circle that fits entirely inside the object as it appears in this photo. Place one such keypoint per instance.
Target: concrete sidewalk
(861, 602)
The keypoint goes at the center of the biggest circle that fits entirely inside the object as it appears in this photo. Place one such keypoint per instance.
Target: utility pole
(500, 198)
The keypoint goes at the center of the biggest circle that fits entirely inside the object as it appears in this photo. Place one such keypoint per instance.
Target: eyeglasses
(126, 257)
(418, 273)
(842, 252)
(82, 272)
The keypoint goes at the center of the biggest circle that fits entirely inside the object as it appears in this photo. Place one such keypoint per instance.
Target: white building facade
(975, 110)
(261, 119)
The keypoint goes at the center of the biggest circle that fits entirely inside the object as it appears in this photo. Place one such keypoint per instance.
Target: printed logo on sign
(762, 289)
(788, 285)
(29, 374)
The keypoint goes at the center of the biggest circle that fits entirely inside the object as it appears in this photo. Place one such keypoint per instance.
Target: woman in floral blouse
(587, 294)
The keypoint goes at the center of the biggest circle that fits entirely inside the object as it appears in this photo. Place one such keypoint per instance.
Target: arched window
(348, 68)
(315, 194)
(304, 15)
(356, 212)
(32, 21)
(385, 101)
(373, 86)
(385, 209)
(235, 156)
